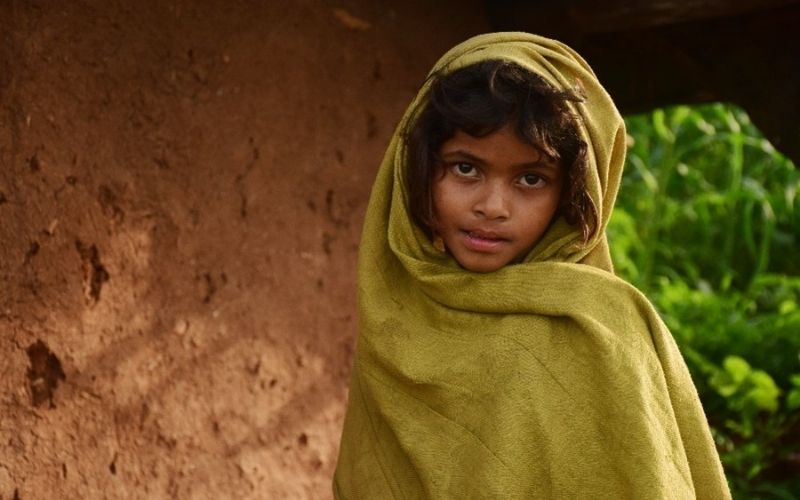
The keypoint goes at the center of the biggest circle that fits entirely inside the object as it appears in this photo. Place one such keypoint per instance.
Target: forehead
(505, 146)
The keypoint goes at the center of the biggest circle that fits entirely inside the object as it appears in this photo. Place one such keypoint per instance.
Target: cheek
(435, 202)
(440, 197)
(546, 212)
(448, 202)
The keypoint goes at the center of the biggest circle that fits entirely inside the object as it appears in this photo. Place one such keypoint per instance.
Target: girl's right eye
(464, 169)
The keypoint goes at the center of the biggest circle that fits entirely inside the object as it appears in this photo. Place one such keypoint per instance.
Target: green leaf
(679, 115)
(732, 122)
(786, 307)
(660, 126)
(793, 399)
(737, 367)
(764, 393)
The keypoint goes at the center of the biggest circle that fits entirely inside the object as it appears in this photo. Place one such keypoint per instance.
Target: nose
(492, 202)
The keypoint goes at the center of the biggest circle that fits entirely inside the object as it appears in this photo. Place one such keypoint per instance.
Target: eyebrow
(461, 153)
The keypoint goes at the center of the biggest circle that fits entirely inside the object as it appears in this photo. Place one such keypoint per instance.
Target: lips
(484, 241)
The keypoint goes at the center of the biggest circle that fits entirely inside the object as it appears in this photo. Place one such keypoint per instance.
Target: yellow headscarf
(551, 378)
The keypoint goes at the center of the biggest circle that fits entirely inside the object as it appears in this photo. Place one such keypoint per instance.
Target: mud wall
(182, 186)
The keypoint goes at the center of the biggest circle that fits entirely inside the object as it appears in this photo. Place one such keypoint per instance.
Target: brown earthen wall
(182, 185)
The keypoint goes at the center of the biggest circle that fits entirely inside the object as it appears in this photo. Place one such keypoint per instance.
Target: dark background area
(651, 54)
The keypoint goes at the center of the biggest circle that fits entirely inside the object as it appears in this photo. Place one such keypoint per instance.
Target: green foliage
(708, 225)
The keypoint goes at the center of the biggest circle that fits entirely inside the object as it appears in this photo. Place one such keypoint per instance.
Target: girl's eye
(465, 170)
(532, 180)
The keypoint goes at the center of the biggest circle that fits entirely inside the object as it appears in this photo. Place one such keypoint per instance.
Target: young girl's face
(494, 198)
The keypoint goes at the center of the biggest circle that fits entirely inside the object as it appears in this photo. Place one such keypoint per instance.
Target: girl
(499, 356)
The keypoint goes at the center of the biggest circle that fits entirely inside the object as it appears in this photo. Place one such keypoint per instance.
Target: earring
(438, 243)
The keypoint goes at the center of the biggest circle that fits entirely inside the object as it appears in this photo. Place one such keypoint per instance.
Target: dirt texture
(182, 185)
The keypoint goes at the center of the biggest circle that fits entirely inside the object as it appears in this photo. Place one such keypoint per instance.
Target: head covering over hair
(551, 378)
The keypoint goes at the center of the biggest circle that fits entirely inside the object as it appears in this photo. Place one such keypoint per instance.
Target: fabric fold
(551, 378)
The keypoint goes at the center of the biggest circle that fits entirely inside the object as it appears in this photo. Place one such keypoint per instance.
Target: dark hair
(480, 99)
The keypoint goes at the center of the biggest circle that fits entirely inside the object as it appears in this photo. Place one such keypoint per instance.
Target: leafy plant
(708, 225)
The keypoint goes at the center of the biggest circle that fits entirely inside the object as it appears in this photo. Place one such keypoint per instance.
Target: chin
(481, 267)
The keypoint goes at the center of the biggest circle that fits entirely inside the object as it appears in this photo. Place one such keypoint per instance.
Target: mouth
(483, 241)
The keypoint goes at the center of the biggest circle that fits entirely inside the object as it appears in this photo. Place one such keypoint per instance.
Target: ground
(182, 186)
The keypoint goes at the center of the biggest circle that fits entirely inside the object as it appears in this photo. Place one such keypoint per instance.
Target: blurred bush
(707, 224)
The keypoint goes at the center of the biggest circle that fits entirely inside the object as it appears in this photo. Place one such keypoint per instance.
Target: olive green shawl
(546, 379)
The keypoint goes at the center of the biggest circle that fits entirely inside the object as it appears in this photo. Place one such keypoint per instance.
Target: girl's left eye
(531, 180)
(464, 170)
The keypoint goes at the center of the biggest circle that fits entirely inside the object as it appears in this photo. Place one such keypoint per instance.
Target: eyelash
(456, 169)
